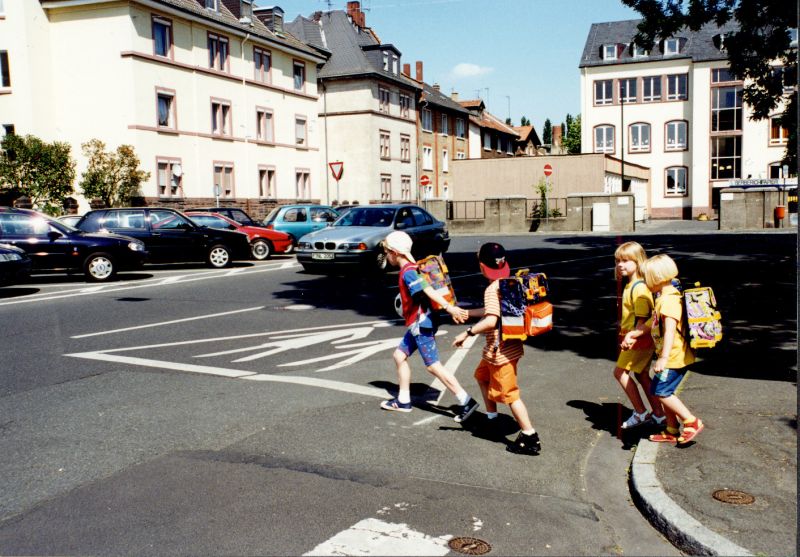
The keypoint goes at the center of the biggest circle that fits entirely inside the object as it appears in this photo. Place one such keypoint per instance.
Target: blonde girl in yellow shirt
(672, 351)
(635, 356)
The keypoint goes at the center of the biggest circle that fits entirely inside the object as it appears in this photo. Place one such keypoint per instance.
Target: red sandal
(663, 437)
(691, 430)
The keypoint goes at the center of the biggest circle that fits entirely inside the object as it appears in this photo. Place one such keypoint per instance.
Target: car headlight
(360, 246)
(304, 245)
(136, 246)
(10, 257)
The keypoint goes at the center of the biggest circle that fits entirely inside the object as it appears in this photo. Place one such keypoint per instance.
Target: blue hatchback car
(299, 220)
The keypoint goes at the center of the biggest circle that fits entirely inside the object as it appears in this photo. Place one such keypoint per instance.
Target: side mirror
(54, 235)
(400, 225)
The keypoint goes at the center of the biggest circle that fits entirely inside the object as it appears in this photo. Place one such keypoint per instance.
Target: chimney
(419, 71)
(355, 14)
(557, 136)
(407, 69)
(436, 87)
(271, 16)
(454, 96)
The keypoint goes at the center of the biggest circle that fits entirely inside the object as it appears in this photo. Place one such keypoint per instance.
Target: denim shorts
(425, 341)
(665, 383)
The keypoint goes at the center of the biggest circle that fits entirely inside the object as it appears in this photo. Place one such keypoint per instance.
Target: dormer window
(640, 52)
(386, 61)
(247, 9)
(609, 52)
(672, 46)
(212, 5)
(395, 64)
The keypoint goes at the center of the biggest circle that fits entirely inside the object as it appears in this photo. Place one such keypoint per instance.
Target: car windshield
(367, 216)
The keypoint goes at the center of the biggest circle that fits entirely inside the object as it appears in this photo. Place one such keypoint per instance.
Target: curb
(680, 528)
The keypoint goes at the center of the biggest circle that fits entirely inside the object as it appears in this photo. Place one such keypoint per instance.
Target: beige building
(677, 110)
(208, 92)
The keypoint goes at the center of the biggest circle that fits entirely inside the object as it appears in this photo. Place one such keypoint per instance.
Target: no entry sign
(424, 180)
(548, 170)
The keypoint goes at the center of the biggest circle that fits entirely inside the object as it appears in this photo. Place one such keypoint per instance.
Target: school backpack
(524, 306)
(434, 269)
(701, 322)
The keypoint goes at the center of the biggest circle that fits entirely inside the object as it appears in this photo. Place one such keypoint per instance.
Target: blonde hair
(659, 269)
(630, 251)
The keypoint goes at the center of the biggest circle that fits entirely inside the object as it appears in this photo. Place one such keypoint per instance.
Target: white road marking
(174, 278)
(92, 289)
(168, 322)
(376, 537)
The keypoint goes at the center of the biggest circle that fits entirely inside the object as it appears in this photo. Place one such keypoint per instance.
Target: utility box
(601, 217)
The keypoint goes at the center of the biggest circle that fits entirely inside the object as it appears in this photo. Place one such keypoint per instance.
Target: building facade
(216, 103)
(677, 110)
(494, 139)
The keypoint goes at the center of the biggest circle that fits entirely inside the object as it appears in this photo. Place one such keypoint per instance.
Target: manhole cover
(733, 497)
(470, 546)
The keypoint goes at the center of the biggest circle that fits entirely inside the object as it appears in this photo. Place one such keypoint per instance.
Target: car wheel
(398, 304)
(261, 249)
(99, 267)
(292, 245)
(381, 262)
(219, 256)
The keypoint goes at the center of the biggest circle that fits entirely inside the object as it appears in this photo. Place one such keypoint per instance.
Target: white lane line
(91, 289)
(168, 322)
(376, 537)
(173, 278)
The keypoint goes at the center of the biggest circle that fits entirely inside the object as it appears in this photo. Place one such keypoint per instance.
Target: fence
(464, 210)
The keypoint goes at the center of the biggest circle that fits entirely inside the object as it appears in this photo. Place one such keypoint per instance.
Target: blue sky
(527, 50)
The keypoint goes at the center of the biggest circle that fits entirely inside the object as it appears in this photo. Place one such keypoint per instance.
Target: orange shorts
(502, 380)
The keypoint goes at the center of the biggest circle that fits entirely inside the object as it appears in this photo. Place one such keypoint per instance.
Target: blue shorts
(665, 383)
(425, 341)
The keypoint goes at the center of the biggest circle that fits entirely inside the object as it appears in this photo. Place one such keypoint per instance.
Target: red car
(263, 241)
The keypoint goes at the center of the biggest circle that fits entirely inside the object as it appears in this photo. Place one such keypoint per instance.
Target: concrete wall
(752, 208)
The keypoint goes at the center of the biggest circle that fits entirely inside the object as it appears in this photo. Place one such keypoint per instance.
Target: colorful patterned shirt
(507, 350)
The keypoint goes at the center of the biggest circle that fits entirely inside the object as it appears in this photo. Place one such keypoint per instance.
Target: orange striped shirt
(508, 350)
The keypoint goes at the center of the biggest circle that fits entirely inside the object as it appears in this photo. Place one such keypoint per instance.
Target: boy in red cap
(497, 372)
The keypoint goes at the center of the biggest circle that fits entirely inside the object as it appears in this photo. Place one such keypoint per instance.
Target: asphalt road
(186, 411)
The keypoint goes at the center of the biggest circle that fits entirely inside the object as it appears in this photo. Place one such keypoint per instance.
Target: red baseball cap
(492, 258)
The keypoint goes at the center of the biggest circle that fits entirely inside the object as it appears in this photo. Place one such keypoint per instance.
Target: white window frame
(265, 126)
(445, 161)
(266, 182)
(635, 133)
(650, 81)
(427, 157)
(173, 187)
(386, 187)
(673, 83)
(262, 71)
(405, 148)
(405, 105)
(783, 133)
(156, 20)
(427, 120)
(640, 51)
(607, 90)
(219, 50)
(607, 145)
(673, 129)
(302, 75)
(385, 141)
(405, 188)
(221, 117)
(384, 99)
(672, 46)
(625, 86)
(171, 109)
(676, 172)
(212, 5)
(301, 130)
(460, 128)
(609, 52)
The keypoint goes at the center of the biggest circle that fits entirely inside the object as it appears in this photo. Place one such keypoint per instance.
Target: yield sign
(336, 169)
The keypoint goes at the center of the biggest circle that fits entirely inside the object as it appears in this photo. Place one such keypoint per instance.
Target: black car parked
(169, 235)
(15, 265)
(54, 245)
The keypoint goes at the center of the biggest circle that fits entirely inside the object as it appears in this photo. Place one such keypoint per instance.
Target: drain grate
(470, 546)
(733, 497)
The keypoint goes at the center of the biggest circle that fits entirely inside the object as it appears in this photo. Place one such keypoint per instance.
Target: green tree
(547, 132)
(572, 140)
(113, 177)
(761, 38)
(524, 122)
(42, 171)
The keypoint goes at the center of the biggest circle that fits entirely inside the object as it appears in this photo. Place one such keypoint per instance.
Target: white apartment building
(214, 97)
(676, 110)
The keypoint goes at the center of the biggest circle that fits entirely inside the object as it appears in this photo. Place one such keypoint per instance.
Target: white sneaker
(636, 420)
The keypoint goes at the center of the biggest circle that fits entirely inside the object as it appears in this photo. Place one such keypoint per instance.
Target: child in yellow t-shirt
(674, 354)
(634, 357)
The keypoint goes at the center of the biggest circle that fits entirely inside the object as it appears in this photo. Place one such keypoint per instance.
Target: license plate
(324, 256)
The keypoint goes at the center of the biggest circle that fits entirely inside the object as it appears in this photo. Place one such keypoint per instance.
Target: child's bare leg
(629, 386)
(491, 406)
(403, 370)
(520, 412)
(655, 402)
(674, 405)
(449, 380)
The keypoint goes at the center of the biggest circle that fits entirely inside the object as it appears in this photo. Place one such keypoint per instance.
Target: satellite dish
(177, 170)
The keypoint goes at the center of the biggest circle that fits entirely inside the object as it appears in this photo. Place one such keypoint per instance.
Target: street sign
(548, 170)
(336, 169)
(424, 180)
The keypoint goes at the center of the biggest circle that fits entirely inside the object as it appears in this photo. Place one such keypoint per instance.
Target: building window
(384, 98)
(726, 109)
(386, 187)
(6, 129)
(460, 128)
(299, 76)
(651, 88)
(775, 171)
(627, 90)
(405, 148)
(609, 52)
(405, 105)
(405, 188)
(604, 139)
(487, 141)
(385, 146)
(604, 92)
(677, 87)
(427, 120)
(300, 131)
(165, 109)
(162, 37)
(672, 46)
(386, 61)
(212, 5)
(640, 52)
(778, 135)
(726, 157)
(217, 52)
(2, 9)
(445, 161)
(262, 60)
(722, 75)
(639, 136)
(266, 181)
(460, 155)
(677, 135)
(302, 179)
(223, 177)
(169, 185)
(5, 71)
(445, 125)
(221, 118)
(677, 181)
(427, 158)
(264, 126)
